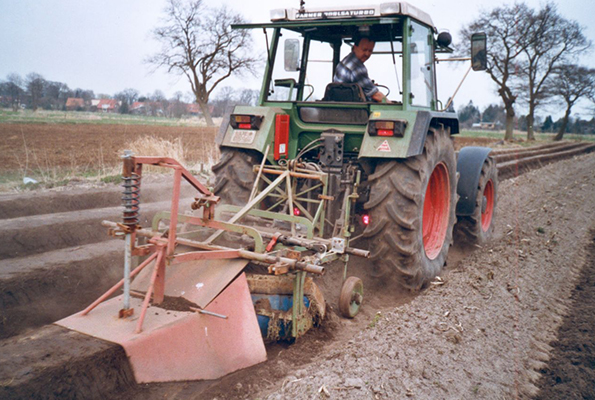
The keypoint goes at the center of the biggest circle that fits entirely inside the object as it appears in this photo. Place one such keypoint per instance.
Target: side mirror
(479, 52)
(292, 55)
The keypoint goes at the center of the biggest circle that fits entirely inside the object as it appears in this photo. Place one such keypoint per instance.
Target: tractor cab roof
(336, 23)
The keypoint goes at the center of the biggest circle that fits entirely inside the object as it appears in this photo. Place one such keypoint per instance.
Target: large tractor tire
(234, 176)
(478, 228)
(412, 213)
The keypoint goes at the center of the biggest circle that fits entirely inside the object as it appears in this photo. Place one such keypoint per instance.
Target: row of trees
(532, 58)
(34, 92)
(494, 116)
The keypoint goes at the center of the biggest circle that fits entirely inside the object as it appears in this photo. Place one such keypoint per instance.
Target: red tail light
(238, 121)
(281, 136)
(296, 211)
(387, 128)
(366, 219)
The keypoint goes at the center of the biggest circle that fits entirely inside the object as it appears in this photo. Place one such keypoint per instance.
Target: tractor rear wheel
(478, 228)
(234, 176)
(412, 212)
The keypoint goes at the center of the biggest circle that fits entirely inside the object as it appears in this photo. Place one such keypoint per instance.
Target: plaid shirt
(352, 70)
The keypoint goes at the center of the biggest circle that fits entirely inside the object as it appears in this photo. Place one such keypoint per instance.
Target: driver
(352, 70)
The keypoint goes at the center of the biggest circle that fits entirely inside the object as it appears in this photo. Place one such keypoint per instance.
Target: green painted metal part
(301, 321)
(269, 215)
(245, 230)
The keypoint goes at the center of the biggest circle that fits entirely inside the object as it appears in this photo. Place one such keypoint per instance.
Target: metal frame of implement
(276, 253)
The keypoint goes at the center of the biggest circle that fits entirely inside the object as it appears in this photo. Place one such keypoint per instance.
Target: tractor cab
(306, 46)
(299, 100)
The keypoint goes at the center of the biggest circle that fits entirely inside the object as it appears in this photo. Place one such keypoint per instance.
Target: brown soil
(570, 373)
(49, 146)
(53, 359)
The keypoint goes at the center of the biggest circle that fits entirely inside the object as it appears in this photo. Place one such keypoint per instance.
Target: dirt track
(483, 333)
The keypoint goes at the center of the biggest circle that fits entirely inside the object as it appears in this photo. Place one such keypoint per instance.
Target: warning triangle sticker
(384, 147)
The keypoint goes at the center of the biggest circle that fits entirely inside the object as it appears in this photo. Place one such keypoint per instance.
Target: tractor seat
(344, 92)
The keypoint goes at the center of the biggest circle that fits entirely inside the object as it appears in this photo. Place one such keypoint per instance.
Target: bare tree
(199, 43)
(177, 107)
(572, 83)
(550, 41)
(35, 88)
(14, 89)
(248, 97)
(55, 95)
(128, 95)
(505, 27)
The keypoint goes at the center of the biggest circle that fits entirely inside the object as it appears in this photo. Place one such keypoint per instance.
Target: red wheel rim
(436, 211)
(488, 200)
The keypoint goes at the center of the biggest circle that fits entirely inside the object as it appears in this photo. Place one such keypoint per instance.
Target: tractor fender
(469, 164)
(424, 120)
(416, 132)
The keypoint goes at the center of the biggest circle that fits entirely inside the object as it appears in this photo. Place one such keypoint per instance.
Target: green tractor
(396, 155)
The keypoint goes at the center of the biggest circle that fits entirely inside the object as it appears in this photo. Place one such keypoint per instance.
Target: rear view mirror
(292, 54)
(479, 54)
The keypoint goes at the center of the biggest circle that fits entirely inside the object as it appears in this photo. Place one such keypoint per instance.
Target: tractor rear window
(347, 116)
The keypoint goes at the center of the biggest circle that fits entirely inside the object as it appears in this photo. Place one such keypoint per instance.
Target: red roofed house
(194, 109)
(108, 105)
(75, 104)
(138, 107)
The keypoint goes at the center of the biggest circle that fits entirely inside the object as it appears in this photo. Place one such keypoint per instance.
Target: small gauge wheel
(352, 295)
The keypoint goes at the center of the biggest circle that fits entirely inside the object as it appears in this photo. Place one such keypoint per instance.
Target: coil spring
(131, 199)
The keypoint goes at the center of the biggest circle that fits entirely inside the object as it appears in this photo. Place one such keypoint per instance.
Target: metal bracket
(338, 245)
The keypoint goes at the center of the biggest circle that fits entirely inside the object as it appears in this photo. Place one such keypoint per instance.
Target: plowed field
(48, 146)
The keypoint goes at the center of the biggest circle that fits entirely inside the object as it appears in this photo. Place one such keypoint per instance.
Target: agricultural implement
(305, 174)
(213, 315)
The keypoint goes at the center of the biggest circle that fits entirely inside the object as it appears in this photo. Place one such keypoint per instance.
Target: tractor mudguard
(414, 138)
(469, 164)
(422, 125)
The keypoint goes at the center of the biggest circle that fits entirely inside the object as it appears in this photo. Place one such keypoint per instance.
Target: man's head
(363, 47)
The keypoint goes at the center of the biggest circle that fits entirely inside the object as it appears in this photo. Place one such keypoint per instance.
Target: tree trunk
(204, 107)
(562, 129)
(509, 122)
(530, 132)
(530, 122)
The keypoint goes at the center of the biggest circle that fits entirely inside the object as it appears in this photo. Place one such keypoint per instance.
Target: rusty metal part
(125, 312)
(131, 193)
(292, 174)
(293, 254)
(279, 268)
(351, 297)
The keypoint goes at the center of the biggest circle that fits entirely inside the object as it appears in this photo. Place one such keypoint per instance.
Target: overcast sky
(101, 45)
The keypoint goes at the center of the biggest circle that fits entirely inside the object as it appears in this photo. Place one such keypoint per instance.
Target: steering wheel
(384, 87)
